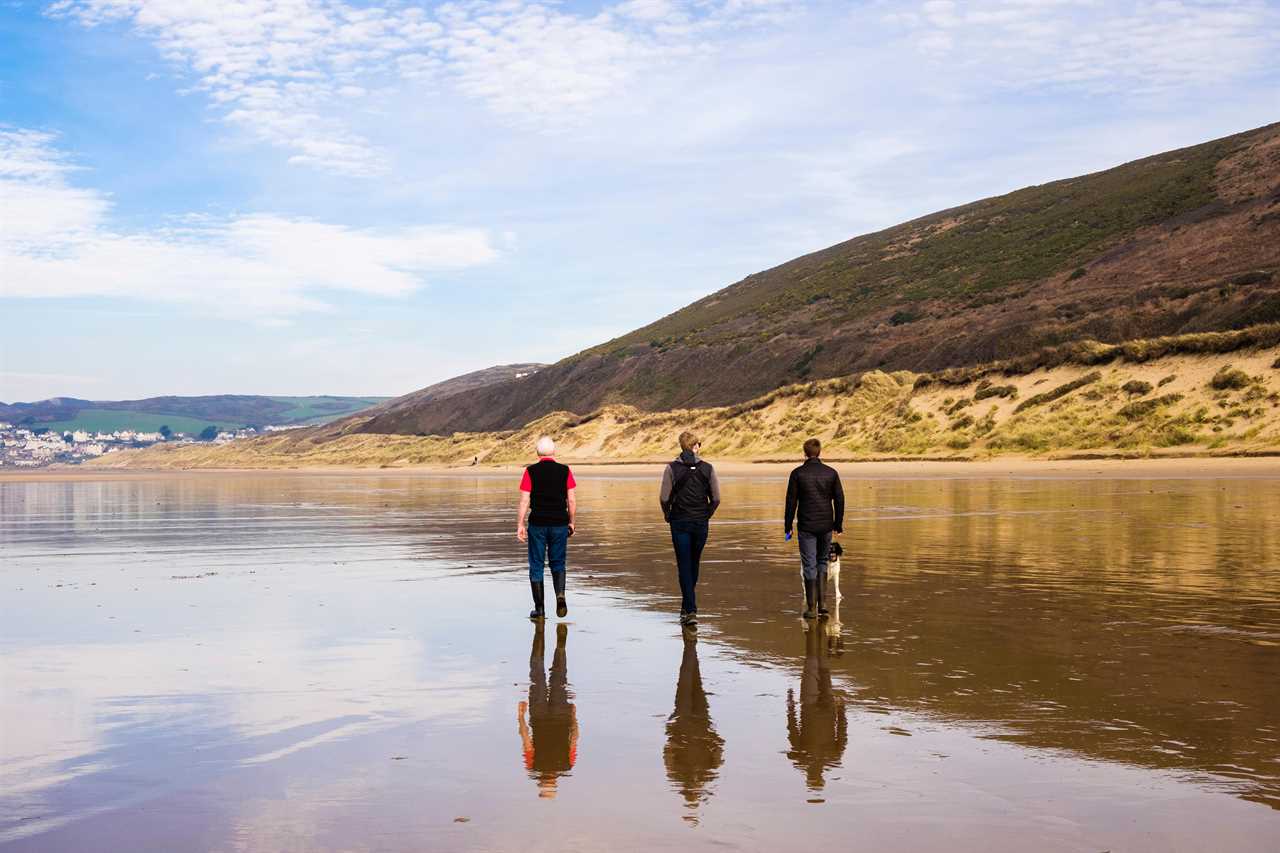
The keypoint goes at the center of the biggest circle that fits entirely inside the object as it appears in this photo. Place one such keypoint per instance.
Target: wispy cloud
(55, 241)
(276, 67)
(1093, 45)
(294, 72)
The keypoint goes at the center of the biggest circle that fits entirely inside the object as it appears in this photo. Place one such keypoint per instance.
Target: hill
(1182, 242)
(1201, 394)
(182, 414)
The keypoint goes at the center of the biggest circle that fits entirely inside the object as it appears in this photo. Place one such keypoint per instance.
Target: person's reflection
(694, 751)
(819, 728)
(550, 735)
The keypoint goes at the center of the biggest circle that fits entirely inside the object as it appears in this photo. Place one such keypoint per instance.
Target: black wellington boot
(557, 581)
(820, 589)
(810, 590)
(538, 611)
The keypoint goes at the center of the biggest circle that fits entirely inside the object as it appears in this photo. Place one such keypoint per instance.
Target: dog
(833, 568)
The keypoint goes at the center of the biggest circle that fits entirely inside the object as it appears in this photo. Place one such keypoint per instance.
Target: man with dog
(815, 504)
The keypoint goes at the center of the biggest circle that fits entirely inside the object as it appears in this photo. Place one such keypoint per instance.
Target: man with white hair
(547, 489)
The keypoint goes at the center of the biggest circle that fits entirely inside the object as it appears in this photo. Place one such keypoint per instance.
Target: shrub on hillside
(1230, 379)
(1245, 279)
(1136, 387)
(1142, 408)
(985, 390)
(1061, 391)
(1163, 382)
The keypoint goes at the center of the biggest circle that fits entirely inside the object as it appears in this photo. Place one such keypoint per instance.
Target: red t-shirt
(526, 484)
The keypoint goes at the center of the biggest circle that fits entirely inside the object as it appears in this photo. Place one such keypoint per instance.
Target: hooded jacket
(690, 489)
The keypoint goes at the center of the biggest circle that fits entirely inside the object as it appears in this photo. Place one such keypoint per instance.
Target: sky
(328, 197)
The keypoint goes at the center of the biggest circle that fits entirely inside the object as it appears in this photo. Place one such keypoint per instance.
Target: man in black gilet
(815, 499)
(547, 496)
(689, 496)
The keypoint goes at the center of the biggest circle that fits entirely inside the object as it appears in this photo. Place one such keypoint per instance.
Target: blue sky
(316, 196)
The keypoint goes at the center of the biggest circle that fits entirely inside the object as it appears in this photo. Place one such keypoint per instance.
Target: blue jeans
(546, 544)
(688, 536)
(815, 550)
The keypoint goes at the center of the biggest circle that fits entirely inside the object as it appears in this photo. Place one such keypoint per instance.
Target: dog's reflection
(817, 725)
(550, 735)
(834, 630)
(694, 750)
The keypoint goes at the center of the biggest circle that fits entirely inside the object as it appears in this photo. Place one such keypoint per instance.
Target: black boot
(557, 581)
(810, 590)
(821, 588)
(538, 612)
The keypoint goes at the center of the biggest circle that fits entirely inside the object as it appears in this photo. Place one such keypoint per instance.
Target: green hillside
(110, 420)
(1179, 243)
(183, 414)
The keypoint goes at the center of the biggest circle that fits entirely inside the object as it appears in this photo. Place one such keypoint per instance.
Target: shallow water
(274, 663)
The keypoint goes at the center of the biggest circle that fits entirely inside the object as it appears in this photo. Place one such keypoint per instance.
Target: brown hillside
(1182, 242)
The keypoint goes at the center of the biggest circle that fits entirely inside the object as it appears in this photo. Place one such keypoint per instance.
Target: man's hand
(572, 528)
(522, 534)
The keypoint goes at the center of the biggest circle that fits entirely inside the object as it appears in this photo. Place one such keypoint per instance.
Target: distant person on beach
(548, 489)
(689, 496)
(815, 499)
(549, 736)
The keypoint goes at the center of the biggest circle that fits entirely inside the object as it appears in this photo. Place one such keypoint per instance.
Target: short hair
(688, 440)
(812, 448)
(546, 446)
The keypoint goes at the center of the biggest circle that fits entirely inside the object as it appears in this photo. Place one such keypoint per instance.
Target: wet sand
(337, 661)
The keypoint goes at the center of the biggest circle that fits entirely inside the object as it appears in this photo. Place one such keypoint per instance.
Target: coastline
(1013, 467)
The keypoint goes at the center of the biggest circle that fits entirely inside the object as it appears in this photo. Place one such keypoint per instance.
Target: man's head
(689, 441)
(812, 448)
(546, 446)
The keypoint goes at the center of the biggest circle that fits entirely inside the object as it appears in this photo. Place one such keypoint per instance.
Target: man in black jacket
(815, 499)
(689, 496)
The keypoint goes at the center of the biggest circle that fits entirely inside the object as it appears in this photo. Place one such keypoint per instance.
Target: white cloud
(55, 242)
(281, 69)
(1135, 46)
(272, 66)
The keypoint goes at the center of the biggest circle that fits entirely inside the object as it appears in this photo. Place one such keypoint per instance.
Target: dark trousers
(688, 536)
(815, 550)
(546, 544)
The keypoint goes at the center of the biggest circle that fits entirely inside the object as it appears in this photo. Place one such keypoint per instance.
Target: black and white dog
(833, 569)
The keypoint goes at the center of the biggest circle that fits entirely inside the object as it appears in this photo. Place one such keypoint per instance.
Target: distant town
(34, 446)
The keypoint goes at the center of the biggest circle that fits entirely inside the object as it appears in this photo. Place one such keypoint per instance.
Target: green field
(318, 410)
(110, 420)
(279, 411)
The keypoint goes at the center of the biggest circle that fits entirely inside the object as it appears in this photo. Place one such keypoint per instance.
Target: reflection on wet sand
(694, 750)
(817, 725)
(189, 663)
(549, 737)
(834, 630)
